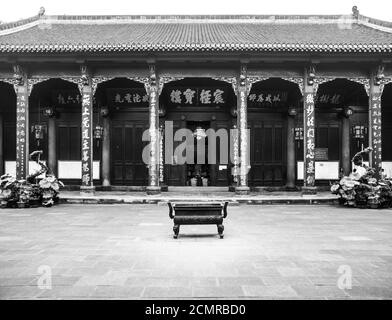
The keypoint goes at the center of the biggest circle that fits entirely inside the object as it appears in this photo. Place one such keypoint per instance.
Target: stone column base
(106, 183)
(232, 187)
(164, 187)
(242, 190)
(87, 190)
(290, 187)
(151, 190)
(309, 190)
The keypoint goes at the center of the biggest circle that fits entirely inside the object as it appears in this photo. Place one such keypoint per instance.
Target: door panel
(222, 176)
(127, 147)
(268, 153)
(328, 136)
(174, 174)
(68, 143)
(9, 143)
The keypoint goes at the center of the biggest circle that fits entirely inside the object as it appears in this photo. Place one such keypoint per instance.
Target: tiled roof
(196, 33)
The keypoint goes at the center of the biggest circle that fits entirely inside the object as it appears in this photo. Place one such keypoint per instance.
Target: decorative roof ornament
(311, 74)
(243, 74)
(84, 77)
(18, 75)
(380, 75)
(41, 11)
(355, 12)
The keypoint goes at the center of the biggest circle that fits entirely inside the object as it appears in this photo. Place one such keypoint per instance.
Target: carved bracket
(76, 80)
(31, 82)
(364, 81)
(230, 80)
(164, 80)
(317, 81)
(95, 81)
(298, 81)
(11, 81)
(383, 83)
(320, 80)
(253, 79)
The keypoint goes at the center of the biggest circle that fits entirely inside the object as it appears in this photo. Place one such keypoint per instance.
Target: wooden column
(153, 173)
(309, 132)
(242, 118)
(87, 133)
(52, 144)
(375, 141)
(106, 153)
(1, 144)
(22, 124)
(290, 175)
(346, 159)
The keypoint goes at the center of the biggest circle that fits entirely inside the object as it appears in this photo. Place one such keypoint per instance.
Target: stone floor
(127, 252)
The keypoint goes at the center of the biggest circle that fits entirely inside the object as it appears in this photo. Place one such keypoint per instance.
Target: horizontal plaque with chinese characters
(329, 98)
(127, 97)
(66, 97)
(191, 96)
(267, 99)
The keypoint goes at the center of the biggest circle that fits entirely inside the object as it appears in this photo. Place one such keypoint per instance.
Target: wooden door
(127, 146)
(175, 173)
(222, 169)
(268, 153)
(328, 136)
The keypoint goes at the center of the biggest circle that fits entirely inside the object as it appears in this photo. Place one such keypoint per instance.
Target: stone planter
(3, 204)
(22, 205)
(34, 203)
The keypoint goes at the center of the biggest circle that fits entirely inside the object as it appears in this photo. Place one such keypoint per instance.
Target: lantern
(104, 111)
(49, 112)
(98, 132)
(233, 111)
(359, 134)
(162, 112)
(292, 112)
(347, 112)
(38, 131)
(299, 134)
(199, 133)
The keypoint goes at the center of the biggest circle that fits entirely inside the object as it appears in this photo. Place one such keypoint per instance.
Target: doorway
(198, 173)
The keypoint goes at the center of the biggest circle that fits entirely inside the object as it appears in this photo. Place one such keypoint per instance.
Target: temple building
(312, 90)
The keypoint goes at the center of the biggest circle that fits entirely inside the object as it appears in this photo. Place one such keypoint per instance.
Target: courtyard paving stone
(128, 252)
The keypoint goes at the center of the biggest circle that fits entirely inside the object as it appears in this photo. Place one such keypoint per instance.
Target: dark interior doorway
(199, 173)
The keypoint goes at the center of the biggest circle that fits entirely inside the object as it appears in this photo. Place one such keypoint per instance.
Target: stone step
(199, 190)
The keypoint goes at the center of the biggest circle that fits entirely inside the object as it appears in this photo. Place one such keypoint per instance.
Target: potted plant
(9, 187)
(35, 196)
(50, 187)
(193, 182)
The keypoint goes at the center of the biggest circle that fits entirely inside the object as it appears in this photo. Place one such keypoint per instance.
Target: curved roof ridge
(375, 23)
(194, 18)
(19, 23)
(189, 16)
(288, 18)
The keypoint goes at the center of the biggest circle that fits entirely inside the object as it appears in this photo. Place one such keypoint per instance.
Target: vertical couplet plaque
(22, 132)
(87, 157)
